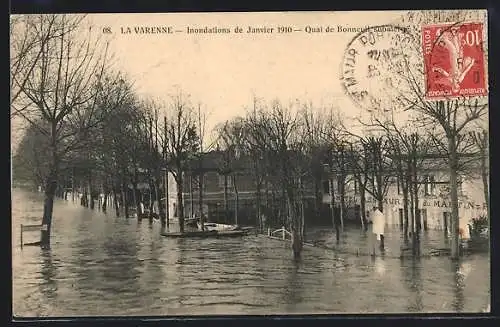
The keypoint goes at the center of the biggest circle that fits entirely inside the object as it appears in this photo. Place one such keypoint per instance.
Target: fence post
(284, 235)
(21, 236)
(268, 231)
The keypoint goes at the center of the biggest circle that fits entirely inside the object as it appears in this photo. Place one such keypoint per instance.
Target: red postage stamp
(454, 60)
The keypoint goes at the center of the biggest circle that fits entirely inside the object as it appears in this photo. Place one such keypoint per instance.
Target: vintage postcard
(265, 163)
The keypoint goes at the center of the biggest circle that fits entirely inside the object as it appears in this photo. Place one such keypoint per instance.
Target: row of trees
(285, 148)
(87, 126)
(298, 145)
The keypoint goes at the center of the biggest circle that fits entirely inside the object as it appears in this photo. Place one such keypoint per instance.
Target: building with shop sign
(434, 199)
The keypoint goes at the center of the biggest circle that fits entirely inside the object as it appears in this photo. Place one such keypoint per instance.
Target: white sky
(224, 71)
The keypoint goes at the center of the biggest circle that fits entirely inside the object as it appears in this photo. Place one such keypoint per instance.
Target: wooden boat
(218, 227)
(206, 234)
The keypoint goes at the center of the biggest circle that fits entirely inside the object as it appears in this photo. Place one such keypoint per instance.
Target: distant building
(219, 169)
(434, 199)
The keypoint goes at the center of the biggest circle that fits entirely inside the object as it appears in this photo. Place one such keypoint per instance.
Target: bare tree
(201, 121)
(256, 146)
(359, 167)
(376, 165)
(316, 132)
(29, 36)
(410, 154)
(279, 130)
(337, 154)
(231, 140)
(481, 140)
(453, 116)
(62, 89)
(182, 144)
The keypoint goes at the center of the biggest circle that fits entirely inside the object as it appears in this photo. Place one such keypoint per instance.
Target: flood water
(105, 266)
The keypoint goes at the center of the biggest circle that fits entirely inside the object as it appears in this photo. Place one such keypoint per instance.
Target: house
(229, 191)
(230, 183)
(434, 199)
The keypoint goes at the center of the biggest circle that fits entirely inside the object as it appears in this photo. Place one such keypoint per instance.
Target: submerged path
(103, 265)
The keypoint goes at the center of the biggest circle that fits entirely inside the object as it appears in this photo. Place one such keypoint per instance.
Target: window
(229, 181)
(326, 187)
(400, 187)
(430, 185)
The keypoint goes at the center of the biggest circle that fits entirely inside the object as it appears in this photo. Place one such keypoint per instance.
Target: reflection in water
(48, 272)
(460, 275)
(379, 266)
(292, 292)
(120, 264)
(180, 268)
(102, 265)
(411, 268)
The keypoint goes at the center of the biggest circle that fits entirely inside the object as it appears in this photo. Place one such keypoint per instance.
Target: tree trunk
(159, 192)
(91, 191)
(318, 198)
(342, 202)
(455, 249)
(332, 206)
(412, 213)
(191, 196)
(85, 199)
(236, 200)
(180, 204)
(258, 200)
(73, 185)
(485, 177)
(48, 207)
(134, 195)
(380, 204)
(125, 199)
(115, 202)
(405, 210)
(362, 195)
(167, 200)
(418, 223)
(157, 196)
(152, 189)
(226, 204)
(297, 242)
(302, 221)
(200, 200)
(105, 200)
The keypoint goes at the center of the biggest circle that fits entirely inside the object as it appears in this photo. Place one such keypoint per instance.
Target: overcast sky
(224, 71)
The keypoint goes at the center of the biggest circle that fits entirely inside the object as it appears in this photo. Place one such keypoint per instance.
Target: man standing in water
(378, 228)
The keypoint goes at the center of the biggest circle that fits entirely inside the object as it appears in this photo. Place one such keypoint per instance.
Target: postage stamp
(454, 60)
(374, 65)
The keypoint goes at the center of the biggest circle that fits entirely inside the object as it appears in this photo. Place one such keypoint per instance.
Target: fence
(31, 228)
(282, 230)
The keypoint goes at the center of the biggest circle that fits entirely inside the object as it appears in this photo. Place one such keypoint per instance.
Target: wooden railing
(31, 228)
(282, 230)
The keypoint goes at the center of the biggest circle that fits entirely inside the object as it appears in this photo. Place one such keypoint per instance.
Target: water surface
(103, 265)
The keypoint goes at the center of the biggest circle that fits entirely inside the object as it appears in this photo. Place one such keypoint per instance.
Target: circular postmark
(377, 68)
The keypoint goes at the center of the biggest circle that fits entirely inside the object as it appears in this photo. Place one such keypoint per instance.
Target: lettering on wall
(435, 203)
